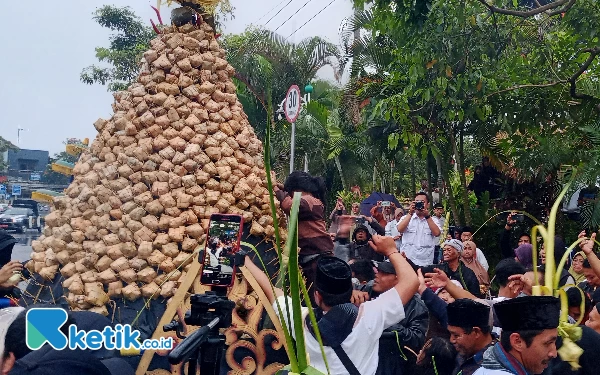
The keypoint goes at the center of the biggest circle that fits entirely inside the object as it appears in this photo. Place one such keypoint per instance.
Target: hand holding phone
(222, 242)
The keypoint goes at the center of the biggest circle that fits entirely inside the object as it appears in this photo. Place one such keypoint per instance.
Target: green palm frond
(590, 216)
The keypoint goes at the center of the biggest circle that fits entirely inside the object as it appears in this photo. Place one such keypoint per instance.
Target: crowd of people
(396, 292)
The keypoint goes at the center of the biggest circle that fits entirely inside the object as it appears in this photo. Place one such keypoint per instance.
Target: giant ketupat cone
(177, 149)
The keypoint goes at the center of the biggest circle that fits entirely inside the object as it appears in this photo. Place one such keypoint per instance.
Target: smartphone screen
(222, 242)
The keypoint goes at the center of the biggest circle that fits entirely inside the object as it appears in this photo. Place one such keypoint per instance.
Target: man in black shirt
(410, 332)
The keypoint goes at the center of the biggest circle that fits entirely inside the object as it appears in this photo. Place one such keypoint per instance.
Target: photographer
(350, 334)
(358, 248)
(383, 212)
(505, 246)
(419, 232)
(337, 212)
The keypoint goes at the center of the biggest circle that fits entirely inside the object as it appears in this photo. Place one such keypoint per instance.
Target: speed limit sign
(292, 103)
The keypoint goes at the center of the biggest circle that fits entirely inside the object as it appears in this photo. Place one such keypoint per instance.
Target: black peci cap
(528, 313)
(333, 276)
(468, 313)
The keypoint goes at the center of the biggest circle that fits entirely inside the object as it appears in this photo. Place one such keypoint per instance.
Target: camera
(518, 217)
(419, 205)
(205, 346)
(360, 220)
(208, 306)
(386, 204)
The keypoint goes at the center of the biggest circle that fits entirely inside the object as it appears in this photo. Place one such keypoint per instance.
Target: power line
(244, 46)
(284, 22)
(264, 15)
(310, 19)
(275, 15)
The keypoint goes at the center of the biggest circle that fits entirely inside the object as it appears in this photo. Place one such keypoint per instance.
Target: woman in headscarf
(469, 258)
(524, 255)
(576, 269)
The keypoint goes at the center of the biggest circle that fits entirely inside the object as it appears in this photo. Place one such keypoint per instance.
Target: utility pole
(19, 129)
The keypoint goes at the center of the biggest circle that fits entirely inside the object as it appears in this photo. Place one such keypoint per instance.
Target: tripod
(204, 348)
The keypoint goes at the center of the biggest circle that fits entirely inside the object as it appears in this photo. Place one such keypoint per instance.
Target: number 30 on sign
(292, 103)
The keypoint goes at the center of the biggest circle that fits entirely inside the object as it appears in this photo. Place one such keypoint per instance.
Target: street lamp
(19, 129)
(282, 111)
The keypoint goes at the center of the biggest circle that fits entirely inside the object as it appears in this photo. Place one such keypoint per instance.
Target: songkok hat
(333, 276)
(468, 313)
(528, 313)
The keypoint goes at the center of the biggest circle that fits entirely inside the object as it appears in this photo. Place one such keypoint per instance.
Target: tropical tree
(268, 64)
(5, 146)
(468, 69)
(130, 40)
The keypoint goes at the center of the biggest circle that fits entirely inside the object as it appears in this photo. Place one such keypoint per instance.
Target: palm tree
(268, 64)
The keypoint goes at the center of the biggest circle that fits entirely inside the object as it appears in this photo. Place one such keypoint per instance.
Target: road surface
(22, 249)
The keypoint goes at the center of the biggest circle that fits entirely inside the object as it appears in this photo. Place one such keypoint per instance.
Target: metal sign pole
(293, 147)
(292, 105)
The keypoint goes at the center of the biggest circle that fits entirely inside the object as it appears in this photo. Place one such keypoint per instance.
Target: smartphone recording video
(222, 242)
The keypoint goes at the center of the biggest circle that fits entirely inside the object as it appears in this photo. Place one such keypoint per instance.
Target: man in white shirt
(391, 229)
(350, 334)
(419, 232)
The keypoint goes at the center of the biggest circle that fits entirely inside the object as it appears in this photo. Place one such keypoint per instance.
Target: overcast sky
(50, 42)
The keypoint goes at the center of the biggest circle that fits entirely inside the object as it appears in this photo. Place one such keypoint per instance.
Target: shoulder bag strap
(341, 353)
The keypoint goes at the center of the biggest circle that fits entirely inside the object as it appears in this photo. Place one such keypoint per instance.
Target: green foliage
(349, 197)
(129, 41)
(458, 188)
(509, 83)
(5, 146)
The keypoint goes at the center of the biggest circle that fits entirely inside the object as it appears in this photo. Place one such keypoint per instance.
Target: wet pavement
(22, 249)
